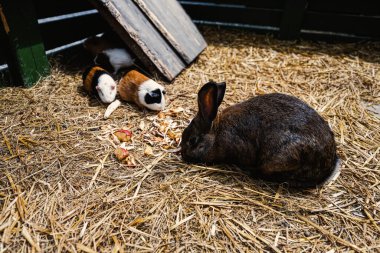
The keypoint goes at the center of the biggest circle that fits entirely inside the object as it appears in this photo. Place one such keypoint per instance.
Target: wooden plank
(367, 7)
(363, 7)
(65, 31)
(236, 14)
(27, 59)
(45, 9)
(329, 25)
(331, 37)
(141, 36)
(342, 23)
(176, 26)
(11, 75)
(292, 19)
(5, 78)
(267, 4)
(3, 43)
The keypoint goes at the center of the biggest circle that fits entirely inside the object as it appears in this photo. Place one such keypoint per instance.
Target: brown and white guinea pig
(274, 136)
(141, 90)
(98, 81)
(109, 52)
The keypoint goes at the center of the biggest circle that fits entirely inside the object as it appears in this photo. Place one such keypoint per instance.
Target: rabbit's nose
(185, 156)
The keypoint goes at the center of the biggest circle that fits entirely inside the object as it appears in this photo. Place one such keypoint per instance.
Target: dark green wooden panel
(26, 59)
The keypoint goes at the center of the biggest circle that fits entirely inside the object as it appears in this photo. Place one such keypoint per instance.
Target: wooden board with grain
(155, 43)
(175, 25)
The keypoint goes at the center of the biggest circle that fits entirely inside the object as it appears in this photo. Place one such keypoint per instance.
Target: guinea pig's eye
(193, 140)
(163, 92)
(99, 90)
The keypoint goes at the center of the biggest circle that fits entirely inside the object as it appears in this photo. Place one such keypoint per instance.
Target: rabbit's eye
(193, 140)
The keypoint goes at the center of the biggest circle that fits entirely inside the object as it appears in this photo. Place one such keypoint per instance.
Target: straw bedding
(62, 190)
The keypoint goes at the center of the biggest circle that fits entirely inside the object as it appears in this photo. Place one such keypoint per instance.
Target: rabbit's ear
(221, 90)
(208, 102)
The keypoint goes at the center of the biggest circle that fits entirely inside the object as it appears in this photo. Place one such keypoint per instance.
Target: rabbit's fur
(274, 136)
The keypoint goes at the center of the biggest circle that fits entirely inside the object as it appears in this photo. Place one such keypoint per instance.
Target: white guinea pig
(98, 81)
(109, 52)
(114, 59)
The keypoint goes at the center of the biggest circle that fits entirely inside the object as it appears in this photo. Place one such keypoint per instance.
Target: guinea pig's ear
(221, 90)
(208, 102)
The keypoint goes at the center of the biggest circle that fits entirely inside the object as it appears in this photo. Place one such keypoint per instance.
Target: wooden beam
(234, 14)
(26, 58)
(46, 9)
(65, 31)
(175, 25)
(5, 76)
(292, 18)
(358, 25)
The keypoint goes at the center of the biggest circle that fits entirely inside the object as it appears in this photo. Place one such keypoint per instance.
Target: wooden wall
(292, 19)
(289, 19)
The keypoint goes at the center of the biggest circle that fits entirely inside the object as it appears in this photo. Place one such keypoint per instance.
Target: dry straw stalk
(61, 190)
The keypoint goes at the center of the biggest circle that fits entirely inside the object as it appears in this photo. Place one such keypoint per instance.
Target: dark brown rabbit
(274, 136)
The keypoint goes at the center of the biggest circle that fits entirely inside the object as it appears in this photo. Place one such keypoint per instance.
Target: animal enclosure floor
(61, 189)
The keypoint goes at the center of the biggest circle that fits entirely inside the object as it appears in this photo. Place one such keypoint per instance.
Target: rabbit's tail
(334, 174)
(335, 171)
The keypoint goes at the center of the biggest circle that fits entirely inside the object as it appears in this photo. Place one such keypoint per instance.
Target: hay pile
(61, 189)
